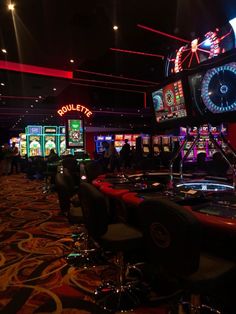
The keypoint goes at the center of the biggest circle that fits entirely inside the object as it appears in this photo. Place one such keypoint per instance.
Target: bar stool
(172, 237)
(117, 238)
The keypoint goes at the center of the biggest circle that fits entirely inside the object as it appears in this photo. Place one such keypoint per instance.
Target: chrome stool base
(120, 298)
(85, 258)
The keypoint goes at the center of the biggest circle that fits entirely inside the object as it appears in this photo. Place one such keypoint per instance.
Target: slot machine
(156, 145)
(175, 142)
(216, 131)
(133, 141)
(50, 138)
(193, 132)
(99, 140)
(34, 140)
(146, 144)
(62, 141)
(166, 144)
(22, 149)
(203, 144)
(119, 142)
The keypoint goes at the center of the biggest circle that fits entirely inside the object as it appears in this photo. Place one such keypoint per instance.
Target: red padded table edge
(107, 189)
(99, 180)
(218, 223)
(132, 198)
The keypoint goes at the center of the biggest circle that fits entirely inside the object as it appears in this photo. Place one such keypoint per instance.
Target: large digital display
(214, 90)
(169, 102)
(75, 133)
(212, 44)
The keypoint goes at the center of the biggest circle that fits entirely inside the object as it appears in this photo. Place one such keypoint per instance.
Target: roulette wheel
(218, 89)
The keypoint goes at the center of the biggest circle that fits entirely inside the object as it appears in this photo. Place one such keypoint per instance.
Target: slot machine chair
(172, 238)
(118, 238)
(70, 163)
(66, 190)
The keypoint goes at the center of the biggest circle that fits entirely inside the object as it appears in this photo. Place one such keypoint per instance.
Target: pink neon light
(162, 33)
(198, 60)
(18, 97)
(138, 53)
(109, 82)
(145, 100)
(112, 88)
(25, 68)
(115, 76)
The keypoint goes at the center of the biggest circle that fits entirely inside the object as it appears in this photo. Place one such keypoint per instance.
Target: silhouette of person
(125, 154)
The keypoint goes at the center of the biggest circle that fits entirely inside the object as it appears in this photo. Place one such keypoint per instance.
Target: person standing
(125, 155)
(6, 159)
(15, 158)
(114, 162)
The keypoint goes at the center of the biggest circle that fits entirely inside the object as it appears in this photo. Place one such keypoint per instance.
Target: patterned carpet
(34, 240)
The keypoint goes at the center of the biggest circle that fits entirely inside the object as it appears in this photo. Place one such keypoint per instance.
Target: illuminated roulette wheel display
(218, 89)
(75, 135)
(211, 45)
(169, 97)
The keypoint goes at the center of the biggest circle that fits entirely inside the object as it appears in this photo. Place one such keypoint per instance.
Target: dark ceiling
(48, 33)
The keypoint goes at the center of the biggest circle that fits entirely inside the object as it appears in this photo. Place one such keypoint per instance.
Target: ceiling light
(72, 61)
(2, 84)
(32, 106)
(40, 97)
(36, 100)
(11, 7)
(115, 27)
(54, 88)
(4, 50)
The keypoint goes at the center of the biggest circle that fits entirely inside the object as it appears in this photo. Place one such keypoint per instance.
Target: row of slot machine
(39, 140)
(144, 142)
(154, 145)
(204, 145)
(118, 139)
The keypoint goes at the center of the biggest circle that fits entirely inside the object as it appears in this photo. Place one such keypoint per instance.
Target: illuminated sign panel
(75, 133)
(74, 107)
(34, 130)
(50, 129)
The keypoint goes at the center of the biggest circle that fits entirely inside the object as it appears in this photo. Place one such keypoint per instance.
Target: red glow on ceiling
(25, 68)
(138, 53)
(162, 33)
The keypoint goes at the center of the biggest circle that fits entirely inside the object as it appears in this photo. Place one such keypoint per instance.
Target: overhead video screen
(214, 91)
(212, 44)
(169, 102)
(75, 133)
